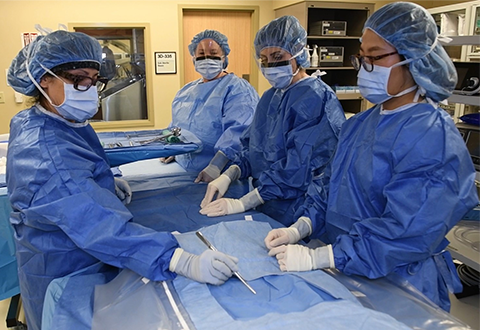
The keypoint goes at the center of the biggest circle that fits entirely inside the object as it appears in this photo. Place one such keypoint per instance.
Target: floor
(465, 309)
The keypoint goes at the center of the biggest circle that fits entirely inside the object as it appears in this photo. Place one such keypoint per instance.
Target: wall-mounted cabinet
(461, 24)
(334, 29)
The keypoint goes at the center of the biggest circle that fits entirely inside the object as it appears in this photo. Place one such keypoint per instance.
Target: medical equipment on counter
(211, 247)
(330, 56)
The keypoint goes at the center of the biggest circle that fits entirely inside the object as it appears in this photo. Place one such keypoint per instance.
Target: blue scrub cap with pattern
(413, 32)
(59, 50)
(284, 32)
(216, 36)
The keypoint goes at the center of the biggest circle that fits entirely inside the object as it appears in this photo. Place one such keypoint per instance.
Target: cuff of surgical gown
(233, 172)
(304, 227)
(252, 199)
(175, 258)
(216, 165)
(322, 257)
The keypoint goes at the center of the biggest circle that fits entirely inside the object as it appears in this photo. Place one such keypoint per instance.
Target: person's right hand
(167, 160)
(218, 186)
(211, 267)
(281, 236)
(204, 177)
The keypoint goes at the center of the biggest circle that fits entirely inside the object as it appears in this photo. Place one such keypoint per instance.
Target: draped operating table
(166, 199)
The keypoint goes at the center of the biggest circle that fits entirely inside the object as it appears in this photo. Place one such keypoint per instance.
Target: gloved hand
(213, 169)
(223, 206)
(123, 190)
(167, 160)
(291, 235)
(220, 185)
(299, 258)
(211, 267)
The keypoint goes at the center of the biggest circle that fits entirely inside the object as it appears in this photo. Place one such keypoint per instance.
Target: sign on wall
(165, 62)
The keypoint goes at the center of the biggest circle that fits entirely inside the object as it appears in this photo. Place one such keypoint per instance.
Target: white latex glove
(218, 186)
(223, 206)
(211, 267)
(291, 235)
(299, 258)
(123, 191)
(281, 236)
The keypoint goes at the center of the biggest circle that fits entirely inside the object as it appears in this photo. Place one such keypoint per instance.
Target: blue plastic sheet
(126, 147)
(153, 209)
(304, 300)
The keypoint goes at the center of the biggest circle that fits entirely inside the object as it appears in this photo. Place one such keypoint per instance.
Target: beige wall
(378, 4)
(20, 16)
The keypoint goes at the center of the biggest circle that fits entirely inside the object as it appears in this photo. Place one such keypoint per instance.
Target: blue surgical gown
(292, 137)
(400, 180)
(66, 216)
(217, 112)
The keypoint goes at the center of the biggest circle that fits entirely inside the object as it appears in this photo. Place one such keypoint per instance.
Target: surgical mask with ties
(280, 74)
(77, 105)
(209, 66)
(373, 85)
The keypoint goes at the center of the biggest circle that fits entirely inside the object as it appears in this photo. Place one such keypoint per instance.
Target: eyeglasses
(367, 61)
(201, 58)
(83, 83)
(265, 64)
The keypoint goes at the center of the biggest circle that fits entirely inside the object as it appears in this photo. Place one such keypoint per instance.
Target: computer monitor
(471, 135)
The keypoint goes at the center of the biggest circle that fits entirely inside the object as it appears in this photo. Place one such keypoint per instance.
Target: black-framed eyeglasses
(367, 61)
(265, 64)
(83, 83)
(206, 57)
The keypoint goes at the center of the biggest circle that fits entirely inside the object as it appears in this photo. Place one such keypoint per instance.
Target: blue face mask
(78, 106)
(209, 68)
(279, 77)
(373, 85)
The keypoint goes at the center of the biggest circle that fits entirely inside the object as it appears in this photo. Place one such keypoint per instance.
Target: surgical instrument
(175, 131)
(211, 247)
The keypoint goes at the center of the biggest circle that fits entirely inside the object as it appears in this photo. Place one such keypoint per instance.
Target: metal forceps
(211, 247)
(175, 131)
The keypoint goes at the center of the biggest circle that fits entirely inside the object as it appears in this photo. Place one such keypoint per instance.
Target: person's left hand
(123, 191)
(299, 258)
(167, 160)
(223, 206)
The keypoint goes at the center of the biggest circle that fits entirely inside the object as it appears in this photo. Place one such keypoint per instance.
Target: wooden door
(235, 24)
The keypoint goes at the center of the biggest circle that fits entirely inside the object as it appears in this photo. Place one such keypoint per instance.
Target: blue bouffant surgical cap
(287, 33)
(413, 32)
(59, 50)
(216, 36)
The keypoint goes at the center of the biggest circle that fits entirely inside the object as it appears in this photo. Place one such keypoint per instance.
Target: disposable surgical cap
(413, 32)
(284, 32)
(57, 50)
(216, 36)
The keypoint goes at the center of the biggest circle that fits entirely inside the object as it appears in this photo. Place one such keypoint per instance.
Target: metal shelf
(465, 99)
(331, 68)
(349, 96)
(462, 40)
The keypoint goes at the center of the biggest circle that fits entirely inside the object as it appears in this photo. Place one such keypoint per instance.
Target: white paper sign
(165, 62)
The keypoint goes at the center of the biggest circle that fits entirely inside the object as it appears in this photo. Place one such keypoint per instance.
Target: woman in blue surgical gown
(66, 215)
(401, 177)
(216, 108)
(293, 134)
